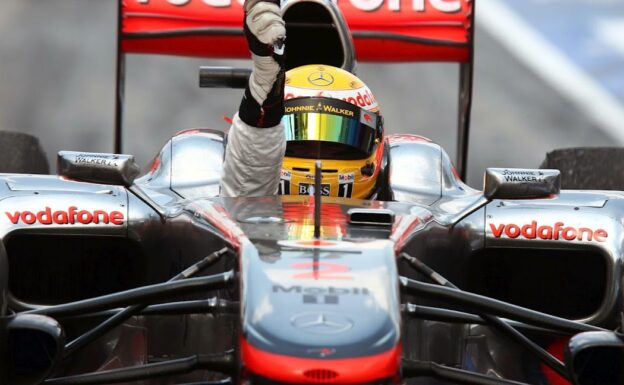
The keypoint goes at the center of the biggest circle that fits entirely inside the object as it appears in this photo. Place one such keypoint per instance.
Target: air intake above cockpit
(371, 217)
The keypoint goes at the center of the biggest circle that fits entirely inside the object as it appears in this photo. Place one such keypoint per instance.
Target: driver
(287, 120)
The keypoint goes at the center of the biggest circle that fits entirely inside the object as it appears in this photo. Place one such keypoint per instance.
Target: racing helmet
(331, 115)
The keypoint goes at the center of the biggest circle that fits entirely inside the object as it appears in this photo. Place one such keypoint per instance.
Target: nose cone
(333, 309)
(288, 369)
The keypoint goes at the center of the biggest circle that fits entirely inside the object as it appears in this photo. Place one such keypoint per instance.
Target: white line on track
(549, 63)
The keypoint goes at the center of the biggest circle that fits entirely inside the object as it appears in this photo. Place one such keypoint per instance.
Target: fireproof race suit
(256, 142)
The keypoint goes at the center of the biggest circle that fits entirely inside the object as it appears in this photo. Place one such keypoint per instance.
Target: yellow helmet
(330, 114)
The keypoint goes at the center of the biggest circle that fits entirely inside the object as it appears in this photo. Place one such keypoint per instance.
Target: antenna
(317, 199)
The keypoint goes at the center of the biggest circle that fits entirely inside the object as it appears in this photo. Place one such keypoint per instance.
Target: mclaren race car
(109, 277)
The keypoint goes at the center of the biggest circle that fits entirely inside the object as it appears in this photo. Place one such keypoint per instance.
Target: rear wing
(382, 31)
(385, 31)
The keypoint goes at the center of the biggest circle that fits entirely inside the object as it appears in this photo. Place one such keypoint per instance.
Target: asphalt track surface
(57, 66)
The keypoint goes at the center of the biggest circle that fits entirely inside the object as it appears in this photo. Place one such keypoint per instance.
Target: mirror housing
(33, 348)
(596, 358)
(116, 169)
(520, 183)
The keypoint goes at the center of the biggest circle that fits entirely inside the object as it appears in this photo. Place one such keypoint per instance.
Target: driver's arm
(255, 142)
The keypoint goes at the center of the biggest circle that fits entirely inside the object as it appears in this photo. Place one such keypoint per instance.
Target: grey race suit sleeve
(253, 159)
(256, 142)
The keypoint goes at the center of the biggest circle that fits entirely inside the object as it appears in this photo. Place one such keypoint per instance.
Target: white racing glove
(263, 19)
(265, 30)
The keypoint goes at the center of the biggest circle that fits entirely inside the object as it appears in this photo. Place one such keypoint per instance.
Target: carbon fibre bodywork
(329, 305)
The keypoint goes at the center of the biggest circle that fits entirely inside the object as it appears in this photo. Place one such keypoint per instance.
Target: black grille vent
(566, 283)
(321, 375)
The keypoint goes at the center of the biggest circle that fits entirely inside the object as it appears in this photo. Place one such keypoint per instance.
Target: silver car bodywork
(173, 215)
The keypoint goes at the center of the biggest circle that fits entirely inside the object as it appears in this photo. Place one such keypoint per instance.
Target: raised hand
(264, 27)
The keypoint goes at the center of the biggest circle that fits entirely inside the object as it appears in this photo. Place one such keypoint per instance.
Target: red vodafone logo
(70, 216)
(559, 231)
(361, 97)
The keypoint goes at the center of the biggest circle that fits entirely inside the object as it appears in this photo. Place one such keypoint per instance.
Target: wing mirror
(596, 358)
(518, 183)
(33, 348)
(116, 169)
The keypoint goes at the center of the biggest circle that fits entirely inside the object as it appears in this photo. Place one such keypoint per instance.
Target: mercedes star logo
(320, 78)
(321, 323)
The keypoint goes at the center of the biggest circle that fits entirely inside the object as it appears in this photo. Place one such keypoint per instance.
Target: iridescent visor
(330, 120)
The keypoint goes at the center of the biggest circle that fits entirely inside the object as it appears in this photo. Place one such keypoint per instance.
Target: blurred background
(549, 74)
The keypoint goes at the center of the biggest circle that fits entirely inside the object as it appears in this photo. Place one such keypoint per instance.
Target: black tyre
(588, 168)
(22, 153)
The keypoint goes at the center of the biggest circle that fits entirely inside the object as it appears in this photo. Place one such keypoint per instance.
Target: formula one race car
(109, 278)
